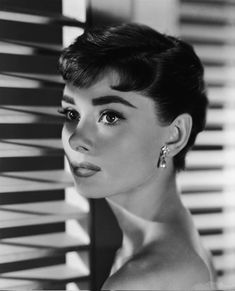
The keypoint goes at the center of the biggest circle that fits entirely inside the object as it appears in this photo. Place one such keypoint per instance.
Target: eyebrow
(68, 99)
(102, 100)
(111, 99)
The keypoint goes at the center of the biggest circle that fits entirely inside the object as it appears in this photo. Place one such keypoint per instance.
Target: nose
(80, 148)
(81, 140)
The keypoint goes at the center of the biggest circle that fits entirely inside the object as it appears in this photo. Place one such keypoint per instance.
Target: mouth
(85, 169)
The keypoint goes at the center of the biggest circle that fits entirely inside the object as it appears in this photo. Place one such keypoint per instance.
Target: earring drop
(162, 158)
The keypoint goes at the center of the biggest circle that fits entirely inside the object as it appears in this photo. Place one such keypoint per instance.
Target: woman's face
(112, 139)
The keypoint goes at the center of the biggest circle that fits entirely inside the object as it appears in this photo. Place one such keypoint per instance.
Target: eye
(111, 117)
(69, 114)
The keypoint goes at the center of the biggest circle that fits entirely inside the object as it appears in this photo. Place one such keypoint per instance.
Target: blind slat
(29, 114)
(30, 96)
(211, 200)
(225, 54)
(35, 16)
(30, 147)
(13, 220)
(32, 32)
(51, 207)
(212, 158)
(217, 137)
(55, 273)
(222, 241)
(220, 34)
(28, 47)
(220, 75)
(206, 11)
(34, 180)
(59, 240)
(224, 221)
(18, 284)
(46, 79)
(47, 6)
(207, 179)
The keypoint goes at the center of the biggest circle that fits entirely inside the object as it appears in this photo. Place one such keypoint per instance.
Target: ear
(179, 133)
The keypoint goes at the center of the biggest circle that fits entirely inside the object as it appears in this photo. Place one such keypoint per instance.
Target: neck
(143, 213)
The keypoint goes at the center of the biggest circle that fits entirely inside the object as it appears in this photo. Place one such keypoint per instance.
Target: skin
(160, 244)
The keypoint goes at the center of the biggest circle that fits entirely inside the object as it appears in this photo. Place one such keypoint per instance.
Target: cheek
(143, 154)
(65, 137)
(133, 152)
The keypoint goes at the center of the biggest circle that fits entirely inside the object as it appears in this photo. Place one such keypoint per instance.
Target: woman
(134, 102)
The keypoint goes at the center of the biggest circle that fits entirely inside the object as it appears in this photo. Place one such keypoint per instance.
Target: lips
(85, 169)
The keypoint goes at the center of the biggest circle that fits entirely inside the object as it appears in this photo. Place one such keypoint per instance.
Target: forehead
(103, 84)
(104, 87)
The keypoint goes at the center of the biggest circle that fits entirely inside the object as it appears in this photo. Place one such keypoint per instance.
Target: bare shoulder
(163, 272)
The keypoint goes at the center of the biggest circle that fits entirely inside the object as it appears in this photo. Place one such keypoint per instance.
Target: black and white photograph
(117, 145)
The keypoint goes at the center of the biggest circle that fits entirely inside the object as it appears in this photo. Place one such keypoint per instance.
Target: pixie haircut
(156, 65)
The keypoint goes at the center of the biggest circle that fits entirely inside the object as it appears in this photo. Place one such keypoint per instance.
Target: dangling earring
(162, 157)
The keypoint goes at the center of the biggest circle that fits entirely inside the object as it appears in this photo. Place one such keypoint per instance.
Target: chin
(90, 192)
(94, 187)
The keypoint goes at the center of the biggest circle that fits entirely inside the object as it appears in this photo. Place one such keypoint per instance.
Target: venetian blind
(44, 237)
(208, 185)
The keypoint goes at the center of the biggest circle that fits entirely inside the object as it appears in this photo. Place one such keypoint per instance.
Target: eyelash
(65, 113)
(118, 116)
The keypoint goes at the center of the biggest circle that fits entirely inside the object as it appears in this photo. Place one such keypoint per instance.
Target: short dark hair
(161, 67)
